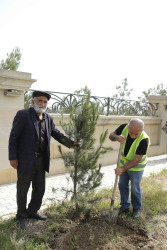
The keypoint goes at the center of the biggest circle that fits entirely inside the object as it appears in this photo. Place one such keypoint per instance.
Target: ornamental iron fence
(65, 102)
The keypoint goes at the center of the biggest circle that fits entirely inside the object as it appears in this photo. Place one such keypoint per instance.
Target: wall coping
(112, 119)
(162, 99)
(10, 79)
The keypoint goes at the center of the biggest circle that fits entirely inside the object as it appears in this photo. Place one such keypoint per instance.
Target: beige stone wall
(162, 114)
(152, 127)
(9, 105)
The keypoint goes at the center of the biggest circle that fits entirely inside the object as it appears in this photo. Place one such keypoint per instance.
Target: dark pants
(37, 177)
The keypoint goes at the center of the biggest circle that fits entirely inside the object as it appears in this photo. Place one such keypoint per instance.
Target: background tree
(123, 91)
(158, 90)
(12, 61)
(27, 99)
(83, 91)
(82, 162)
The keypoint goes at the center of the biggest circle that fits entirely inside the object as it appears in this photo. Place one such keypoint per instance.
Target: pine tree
(82, 162)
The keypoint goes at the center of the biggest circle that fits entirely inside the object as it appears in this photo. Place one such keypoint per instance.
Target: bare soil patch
(96, 233)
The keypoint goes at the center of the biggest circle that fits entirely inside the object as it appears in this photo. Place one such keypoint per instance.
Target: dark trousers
(37, 177)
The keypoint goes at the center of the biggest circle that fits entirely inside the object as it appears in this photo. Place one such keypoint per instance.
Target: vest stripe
(141, 166)
(143, 159)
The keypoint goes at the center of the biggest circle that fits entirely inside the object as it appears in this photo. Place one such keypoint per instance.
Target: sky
(69, 44)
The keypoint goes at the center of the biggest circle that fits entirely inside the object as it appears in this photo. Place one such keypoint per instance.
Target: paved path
(55, 183)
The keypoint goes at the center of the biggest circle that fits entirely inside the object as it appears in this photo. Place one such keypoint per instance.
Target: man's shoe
(22, 223)
(136, 213)
(123, 210)
(38, 216)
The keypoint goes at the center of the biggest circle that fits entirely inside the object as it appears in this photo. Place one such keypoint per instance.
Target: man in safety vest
(132, 163)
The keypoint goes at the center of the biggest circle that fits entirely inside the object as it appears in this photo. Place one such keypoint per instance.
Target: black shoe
(38, 216)
(136, 213)
(123, 210)
(21, 223)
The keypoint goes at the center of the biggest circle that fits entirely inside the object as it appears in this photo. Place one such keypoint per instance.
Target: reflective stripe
(143, 159)
(137, 166)
(140, 166)
(121, 161)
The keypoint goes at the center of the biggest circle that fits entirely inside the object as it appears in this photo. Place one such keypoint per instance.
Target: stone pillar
(12, 87)
(161, 102)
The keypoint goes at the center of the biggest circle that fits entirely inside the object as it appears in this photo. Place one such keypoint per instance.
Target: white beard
(39, 110)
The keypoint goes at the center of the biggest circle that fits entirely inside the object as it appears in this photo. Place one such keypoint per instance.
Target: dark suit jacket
(24, 137)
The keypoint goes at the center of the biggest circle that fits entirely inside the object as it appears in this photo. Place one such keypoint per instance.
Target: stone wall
(12, 87)
(152, 127)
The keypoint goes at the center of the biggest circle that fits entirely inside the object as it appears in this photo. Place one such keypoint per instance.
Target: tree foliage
(12, 61)
(158, 90)
(27, 99)
(82, 162)
(123, 91)
(83, 91)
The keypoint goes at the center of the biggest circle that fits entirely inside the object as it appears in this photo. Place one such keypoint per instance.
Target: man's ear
(32, 102)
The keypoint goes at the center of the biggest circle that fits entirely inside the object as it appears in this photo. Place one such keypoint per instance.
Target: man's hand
(121, 138)
(14, 163)
(131, 164)
(114, 137)
(119, 171)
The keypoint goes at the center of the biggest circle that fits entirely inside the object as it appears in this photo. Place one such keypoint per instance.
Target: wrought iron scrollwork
(131, 108)
(65, 102)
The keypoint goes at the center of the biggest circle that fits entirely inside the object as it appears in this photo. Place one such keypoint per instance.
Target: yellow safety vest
(132, 151)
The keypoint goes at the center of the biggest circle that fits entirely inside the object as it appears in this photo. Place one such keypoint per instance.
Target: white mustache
(39, 109)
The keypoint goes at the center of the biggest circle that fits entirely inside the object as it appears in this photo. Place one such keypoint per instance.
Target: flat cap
(37, 93)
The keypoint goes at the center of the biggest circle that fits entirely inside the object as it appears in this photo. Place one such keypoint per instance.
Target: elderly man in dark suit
(29, 153)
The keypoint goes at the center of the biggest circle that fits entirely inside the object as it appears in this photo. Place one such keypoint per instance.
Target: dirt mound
(96, 234)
